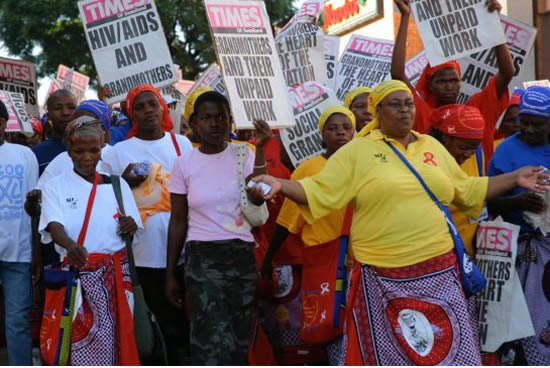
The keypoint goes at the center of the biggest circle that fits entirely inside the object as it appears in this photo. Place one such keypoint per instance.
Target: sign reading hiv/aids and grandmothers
(127, 44)
(20, 77)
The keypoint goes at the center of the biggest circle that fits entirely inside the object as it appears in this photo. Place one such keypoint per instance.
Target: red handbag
(324, 276)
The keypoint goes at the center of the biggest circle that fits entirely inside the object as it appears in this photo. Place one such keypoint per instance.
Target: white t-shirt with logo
(64, 200)
(62, 163)
(18, 175)
(150, 249)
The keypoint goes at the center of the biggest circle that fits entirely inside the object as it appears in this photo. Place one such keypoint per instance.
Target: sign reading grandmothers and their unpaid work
(250, 66)
(127, 44)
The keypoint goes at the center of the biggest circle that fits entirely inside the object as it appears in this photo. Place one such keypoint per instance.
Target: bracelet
(260, 166)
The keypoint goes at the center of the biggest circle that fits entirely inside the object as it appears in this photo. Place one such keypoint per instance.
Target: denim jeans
(17, 286)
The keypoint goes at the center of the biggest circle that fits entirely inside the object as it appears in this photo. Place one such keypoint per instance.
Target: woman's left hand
(255, 195)
(533, 179)
(263, 132)
(126, 226)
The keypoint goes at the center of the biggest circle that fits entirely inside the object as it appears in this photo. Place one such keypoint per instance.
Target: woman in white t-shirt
(220, 271)
(144, 161)
(102, 327)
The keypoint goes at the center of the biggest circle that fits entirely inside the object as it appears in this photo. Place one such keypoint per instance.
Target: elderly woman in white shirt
(82, 202)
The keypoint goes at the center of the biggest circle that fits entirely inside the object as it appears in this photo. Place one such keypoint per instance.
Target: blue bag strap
(479, 160)
(472, 279)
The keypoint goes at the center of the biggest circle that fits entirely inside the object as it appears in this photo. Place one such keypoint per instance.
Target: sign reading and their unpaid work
(20, 77)
(18, 120)
(250, 66)
(127, 44)
(304, 141)
(503, 313)
(365, 63)
(479, 67)
(301, 49)
(454, 29)
(211, 78)
(332, 49)
(415, 66)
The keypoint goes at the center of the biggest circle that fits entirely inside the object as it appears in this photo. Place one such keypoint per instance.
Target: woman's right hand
(77, 255)
(530, 202)
(272, 182)
(131, 179)
(404, 6)
(172, 291)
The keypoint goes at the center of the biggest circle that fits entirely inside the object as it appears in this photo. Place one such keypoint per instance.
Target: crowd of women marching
(362, 255)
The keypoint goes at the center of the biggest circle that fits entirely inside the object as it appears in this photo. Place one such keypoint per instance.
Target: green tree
(54, 28)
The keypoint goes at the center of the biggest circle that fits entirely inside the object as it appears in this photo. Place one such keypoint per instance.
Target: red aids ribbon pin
(429, 159)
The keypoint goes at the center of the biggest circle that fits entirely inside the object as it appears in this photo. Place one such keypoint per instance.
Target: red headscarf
(460, 121)
(166, 122)
(37, 126)
(423, 85)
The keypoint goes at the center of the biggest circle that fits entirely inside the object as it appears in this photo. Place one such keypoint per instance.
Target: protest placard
(301, 51)
(20, 77)
(303, 141)
(18, 120)
(415, 66)
(177, 102)
(212, 78)
(365, 62)
(454, 29)
(74, 81)
(503, 313)
(127, 44)
(332, 50)
(479, 67)
(251, 70)
(540, 83)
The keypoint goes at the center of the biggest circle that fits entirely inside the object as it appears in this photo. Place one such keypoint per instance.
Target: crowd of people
(362, 255)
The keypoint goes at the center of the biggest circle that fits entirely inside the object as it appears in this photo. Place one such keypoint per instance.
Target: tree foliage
(54, 28)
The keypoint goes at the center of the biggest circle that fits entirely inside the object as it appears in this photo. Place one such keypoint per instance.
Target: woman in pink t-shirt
(220, 272)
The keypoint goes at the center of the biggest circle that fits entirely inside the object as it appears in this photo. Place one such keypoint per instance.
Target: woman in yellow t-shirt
(460, 129)
(406, 299)
(337, 127)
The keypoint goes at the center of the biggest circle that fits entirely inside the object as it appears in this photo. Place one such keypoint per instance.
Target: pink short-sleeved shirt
(211, 184)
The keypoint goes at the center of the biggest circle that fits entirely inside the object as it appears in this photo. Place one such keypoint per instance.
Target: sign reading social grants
(128, 44)
(250, 66)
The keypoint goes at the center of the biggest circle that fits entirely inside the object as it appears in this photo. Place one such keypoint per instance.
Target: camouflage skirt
(220, 280)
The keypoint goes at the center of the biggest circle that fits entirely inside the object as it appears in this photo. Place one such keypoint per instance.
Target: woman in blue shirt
(530, 146)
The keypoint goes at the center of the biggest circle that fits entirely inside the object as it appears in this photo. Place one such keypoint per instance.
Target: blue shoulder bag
(472, 279)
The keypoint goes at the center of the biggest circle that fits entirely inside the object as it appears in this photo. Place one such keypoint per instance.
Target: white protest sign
(503, 313)
(301, 51)
(127, 44)
(365, 62)
(332, 49)
(212, 78)
(309, 100)
(242, 36)
(75, 82)
(480, 66)
(176, 108)
(415, 66)
(20, 77)
(18, 120)
(454, 29)
(540, 83)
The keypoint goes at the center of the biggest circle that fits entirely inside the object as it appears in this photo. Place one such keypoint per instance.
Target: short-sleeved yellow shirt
(395, 223)
(321, 231)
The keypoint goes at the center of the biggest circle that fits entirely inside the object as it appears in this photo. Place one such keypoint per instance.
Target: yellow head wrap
(190, 102)
(376, 96)
(350, 96)
(336, 109)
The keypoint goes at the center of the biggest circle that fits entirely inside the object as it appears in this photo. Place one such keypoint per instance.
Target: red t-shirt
(488, 103)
